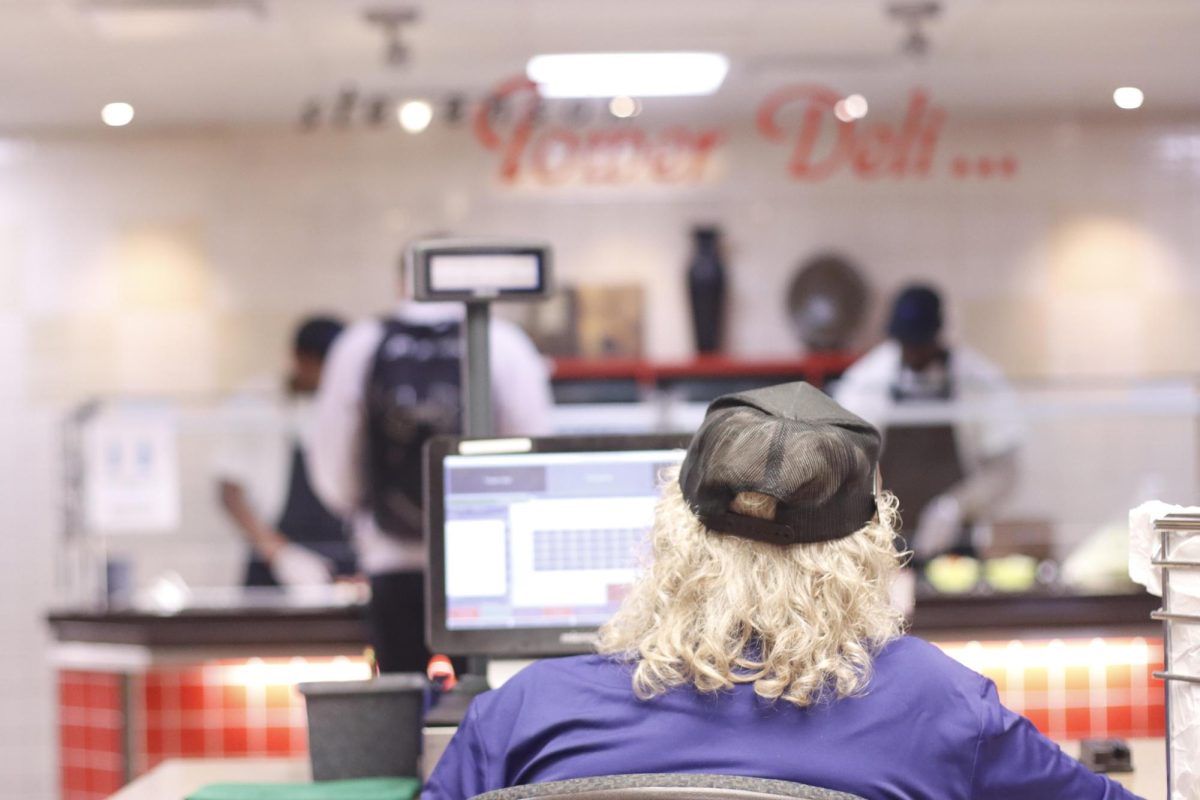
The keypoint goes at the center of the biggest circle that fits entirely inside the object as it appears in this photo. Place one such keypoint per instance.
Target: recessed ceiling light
(1128, 97)
(415, 115)
(117, 115)
(850, 108)
(627, 74)
(856, 106)
(624, 107)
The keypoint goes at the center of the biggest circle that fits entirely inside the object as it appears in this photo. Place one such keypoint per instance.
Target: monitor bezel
(509, 642)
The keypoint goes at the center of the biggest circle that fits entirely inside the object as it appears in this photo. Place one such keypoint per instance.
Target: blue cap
(916, 314)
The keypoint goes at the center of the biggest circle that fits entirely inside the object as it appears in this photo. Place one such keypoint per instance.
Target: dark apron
(305, 521)
(920, 462)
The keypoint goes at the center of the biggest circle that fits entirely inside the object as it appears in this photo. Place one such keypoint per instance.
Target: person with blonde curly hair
(760, 641)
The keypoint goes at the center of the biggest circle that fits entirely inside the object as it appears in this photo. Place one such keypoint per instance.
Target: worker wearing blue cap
(950, 423)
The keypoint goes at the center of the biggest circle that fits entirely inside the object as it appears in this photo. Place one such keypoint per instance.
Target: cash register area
(178, 683)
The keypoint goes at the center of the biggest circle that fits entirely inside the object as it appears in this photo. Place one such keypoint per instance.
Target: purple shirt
(927, 728)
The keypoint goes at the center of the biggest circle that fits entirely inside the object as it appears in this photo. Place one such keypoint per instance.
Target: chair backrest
(675, 786)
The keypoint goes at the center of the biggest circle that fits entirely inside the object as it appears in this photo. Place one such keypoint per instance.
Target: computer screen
(531, 551)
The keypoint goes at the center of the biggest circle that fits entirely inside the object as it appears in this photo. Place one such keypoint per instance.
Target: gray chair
(675, 786)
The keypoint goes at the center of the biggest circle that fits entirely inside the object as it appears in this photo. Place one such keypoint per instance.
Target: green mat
(357, 789)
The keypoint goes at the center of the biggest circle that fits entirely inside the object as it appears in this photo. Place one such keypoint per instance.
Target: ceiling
(59, 62)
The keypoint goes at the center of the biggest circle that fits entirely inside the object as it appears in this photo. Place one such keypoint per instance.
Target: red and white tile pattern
(1076, 689)
(219, 709)
(91, 725)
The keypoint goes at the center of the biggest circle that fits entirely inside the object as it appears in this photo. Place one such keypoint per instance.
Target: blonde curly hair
(799, 622)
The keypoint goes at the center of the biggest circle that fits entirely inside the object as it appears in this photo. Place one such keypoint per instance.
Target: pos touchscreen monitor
(533, 543)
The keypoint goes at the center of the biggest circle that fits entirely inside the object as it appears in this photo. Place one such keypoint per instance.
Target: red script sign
(822, 144)
(554, 155)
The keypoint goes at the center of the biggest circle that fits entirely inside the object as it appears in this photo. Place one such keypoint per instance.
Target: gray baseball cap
(793, 443)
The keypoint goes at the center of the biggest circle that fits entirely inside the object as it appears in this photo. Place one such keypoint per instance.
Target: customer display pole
(478, 273)
(477, 422)
(477, 371)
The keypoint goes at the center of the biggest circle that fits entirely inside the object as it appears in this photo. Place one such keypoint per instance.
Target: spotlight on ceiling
(117, 115)
(1128, 97)
(850, 108)
(415, 115)
(624, 107)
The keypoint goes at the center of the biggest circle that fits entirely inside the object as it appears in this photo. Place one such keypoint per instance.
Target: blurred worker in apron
(951, 425)
(264, 477)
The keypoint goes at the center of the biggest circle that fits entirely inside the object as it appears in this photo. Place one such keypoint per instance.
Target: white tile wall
(27, 696)
(282, 223)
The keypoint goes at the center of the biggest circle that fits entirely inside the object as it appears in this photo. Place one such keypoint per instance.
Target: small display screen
(546, 540)
(485, 273)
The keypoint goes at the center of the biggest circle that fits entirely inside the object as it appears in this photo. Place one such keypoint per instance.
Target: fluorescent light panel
(167, 19)
(628, 74)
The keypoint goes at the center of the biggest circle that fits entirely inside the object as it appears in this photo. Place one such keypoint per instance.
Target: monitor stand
(452, 706)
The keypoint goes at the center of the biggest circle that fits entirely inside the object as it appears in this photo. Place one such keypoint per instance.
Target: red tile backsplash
(91, 721)
(235, 741)
(1076, 689)
(279, 741)
(191, 696)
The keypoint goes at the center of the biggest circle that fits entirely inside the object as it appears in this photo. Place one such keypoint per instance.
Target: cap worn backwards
(791, 442)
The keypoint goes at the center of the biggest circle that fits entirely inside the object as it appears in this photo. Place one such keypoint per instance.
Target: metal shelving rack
(1172, 529)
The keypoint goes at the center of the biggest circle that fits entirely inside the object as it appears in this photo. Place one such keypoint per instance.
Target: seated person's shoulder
(556, 680)
(567, 670)
(913, 665)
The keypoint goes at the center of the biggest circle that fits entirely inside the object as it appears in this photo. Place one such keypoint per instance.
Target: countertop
(339, 625)
(176, 778)
(936, 617)
(1019, 615)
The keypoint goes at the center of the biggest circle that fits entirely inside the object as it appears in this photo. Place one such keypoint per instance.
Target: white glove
(938, 528)
(294, 565)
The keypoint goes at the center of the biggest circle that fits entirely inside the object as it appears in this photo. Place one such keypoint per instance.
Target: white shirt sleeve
(999, 425)
(253, 450)
(521, 393)
(229, 462)
(336, 443)
(865, 388)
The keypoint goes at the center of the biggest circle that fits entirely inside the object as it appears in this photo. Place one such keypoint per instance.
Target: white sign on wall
(131, 470)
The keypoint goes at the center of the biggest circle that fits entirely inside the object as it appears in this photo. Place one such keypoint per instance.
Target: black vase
(706, 289)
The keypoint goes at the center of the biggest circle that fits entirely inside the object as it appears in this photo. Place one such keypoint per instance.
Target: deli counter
(211, 673)
(138, 687)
